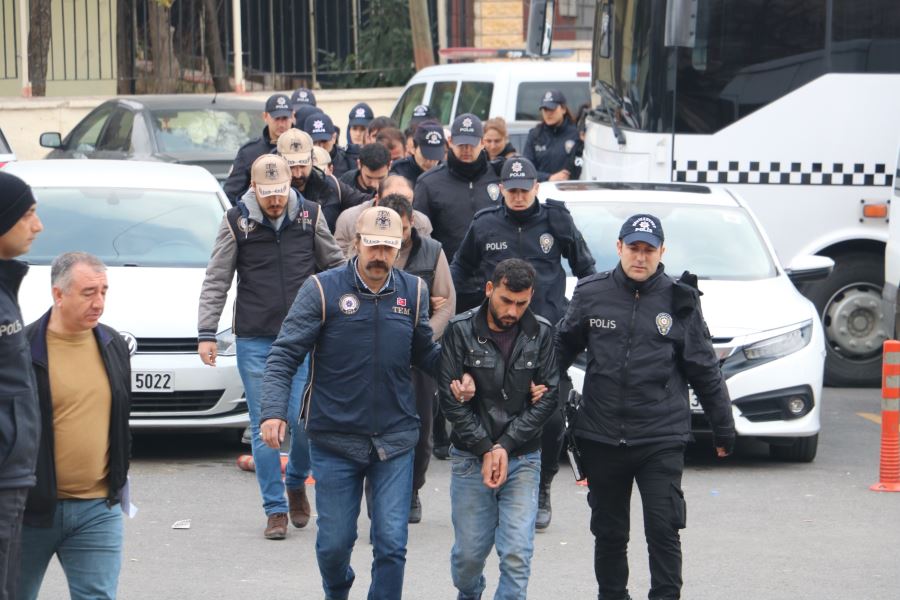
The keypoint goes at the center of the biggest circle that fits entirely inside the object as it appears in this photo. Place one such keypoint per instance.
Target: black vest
(423, 257)
(271, 266)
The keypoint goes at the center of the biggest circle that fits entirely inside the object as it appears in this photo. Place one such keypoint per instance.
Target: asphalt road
(757, 529)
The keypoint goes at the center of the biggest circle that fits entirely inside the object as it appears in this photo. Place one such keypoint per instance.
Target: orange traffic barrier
(889, 470)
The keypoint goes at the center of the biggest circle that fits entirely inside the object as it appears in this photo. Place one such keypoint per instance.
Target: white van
(508, 89)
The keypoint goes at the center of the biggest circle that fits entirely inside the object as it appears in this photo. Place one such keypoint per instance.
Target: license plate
(694, 403)
(155, 381)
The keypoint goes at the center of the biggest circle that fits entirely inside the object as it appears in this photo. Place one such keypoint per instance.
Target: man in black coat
(646, 340)
(429, 148)
(542, 234)
(19, 416)
(278, 117)
(83, 373)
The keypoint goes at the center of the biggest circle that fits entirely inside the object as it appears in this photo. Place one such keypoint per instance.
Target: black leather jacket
(501, 411)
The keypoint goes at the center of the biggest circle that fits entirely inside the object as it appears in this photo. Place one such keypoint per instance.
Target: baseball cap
(642, 228)
(15, 200)
(552, 99)
(271, 174)
(360, 114)
(429, 137)
(321, 158)
(302, 96)
(279, 105)
(380, 226)
(319, 127)
(518, 174)
(466, 130)
(296, 147)
(421, 112)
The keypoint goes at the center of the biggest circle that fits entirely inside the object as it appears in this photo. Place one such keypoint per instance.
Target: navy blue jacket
(361, 346)
(407, 167)
(20, 426)
(543, 239)
(239, 176)
(343, 159)
(548, 148)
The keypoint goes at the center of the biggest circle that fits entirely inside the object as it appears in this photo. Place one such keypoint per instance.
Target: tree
(213, 48)
(38, 45)
(162, 48)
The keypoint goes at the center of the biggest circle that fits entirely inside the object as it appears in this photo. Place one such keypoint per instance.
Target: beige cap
(272, 176)
(321, 157)
(380, 226)
(296, 147)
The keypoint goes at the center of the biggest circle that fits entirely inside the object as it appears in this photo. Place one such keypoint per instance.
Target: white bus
(793, 104)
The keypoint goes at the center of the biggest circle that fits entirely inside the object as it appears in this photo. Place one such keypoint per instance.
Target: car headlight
(226, 343)
(768, 349)
(780, 345)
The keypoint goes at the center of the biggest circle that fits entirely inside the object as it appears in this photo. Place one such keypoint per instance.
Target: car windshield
(127, 227)
(713, 242)
(218, 131)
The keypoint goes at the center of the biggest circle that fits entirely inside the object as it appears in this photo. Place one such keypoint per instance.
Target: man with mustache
(274, 239)
(363, 325)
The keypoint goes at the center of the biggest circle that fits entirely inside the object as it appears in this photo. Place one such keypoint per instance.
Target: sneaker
(415, 508)
(544, 512)
(298, 505)
(441, 452)
(276, 526)
(247, 436)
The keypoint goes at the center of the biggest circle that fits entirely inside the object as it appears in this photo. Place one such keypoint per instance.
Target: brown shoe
(299, 506)
(276, 526)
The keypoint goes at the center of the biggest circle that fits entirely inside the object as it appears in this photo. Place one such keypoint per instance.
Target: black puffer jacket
(19, 415)
(501, 411)
(645, 343)
(239, 176)
(41, 504)
(332, 194)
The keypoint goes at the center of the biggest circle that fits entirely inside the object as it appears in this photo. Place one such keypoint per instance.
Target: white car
(768, 337)
(6, 153)
(154, 225)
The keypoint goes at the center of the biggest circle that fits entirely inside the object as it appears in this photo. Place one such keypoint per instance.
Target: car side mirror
(51, 139)
(809, 268)
(540, 27)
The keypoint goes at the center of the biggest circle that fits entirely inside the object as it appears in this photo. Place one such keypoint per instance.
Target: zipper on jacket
(624, 382)
(375, 378)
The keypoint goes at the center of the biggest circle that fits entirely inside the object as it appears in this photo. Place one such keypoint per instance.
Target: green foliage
(385, 55)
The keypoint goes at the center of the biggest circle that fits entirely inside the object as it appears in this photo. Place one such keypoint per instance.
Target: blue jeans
(251, 363)
(87, 537)
(339, 488)
(483, 518)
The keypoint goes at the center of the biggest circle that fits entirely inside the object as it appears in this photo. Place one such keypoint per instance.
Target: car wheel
(849, 302)
(800, 450)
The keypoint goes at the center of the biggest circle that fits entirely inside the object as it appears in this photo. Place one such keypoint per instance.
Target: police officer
(646, 341)
(302, 97)
(278, 116)
(320, 128)
(542, 234)
(550, 142)
(451, 193)
(274, 239)
(357, 123)
(313, 183)
(364, 325)
(429, 148)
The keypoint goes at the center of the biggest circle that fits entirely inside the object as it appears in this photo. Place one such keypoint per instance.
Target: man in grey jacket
(19, 415)
(274, 239)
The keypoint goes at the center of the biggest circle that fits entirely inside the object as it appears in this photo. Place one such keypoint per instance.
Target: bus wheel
(849, 301)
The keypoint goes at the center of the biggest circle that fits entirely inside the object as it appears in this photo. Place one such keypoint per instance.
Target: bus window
(866, 36)
(528, 99)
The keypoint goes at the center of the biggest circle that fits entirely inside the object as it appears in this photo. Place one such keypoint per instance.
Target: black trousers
(424, 388)
(611, 471)
(553, 436)
(12, 507)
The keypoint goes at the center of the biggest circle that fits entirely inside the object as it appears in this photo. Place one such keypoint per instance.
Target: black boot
(544, 512)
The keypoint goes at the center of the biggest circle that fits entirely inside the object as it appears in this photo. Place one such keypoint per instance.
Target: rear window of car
(127, 227)
(528, 98)
(219, 131)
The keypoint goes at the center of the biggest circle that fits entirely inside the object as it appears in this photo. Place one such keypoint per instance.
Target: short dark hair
(516, 274)
(379, 123)
(398, 203)
(374, 156)
(390, 136)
